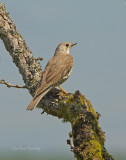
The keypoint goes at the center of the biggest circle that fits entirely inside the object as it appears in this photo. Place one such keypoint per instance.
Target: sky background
(99, 28)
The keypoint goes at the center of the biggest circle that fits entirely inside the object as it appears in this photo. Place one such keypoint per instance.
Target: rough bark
(88, 138)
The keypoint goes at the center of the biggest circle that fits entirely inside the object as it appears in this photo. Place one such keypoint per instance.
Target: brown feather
(37, 99)
(56, 69)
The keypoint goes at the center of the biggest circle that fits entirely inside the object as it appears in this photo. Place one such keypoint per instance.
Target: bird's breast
(63, 79)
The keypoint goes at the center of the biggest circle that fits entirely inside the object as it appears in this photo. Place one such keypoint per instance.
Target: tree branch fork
(11, 85)
(86, 139)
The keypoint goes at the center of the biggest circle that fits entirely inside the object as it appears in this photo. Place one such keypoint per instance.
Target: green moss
(93, 149)
(88, 138)
(70, 108)
(90, 108)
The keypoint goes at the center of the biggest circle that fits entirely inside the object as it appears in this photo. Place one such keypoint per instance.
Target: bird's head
(64, 47)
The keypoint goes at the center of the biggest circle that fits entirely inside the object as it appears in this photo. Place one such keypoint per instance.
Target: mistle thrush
(56, 72)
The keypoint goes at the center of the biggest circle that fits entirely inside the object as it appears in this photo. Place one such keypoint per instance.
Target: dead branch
(38, 59)
(11, 85)
(88, 138)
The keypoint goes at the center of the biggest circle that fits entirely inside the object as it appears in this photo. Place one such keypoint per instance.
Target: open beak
(73, 44)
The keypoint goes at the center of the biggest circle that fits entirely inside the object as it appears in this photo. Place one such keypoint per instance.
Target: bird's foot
(63, 91)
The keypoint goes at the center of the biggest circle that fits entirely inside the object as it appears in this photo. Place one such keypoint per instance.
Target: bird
(57, 70)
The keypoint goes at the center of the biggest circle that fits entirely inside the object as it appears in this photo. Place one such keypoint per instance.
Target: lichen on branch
(27, 65)
(88, 138)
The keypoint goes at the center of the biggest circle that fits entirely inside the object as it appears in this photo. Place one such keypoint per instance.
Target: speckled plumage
(56, 72)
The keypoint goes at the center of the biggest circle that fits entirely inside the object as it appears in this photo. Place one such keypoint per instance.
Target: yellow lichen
(93, 149)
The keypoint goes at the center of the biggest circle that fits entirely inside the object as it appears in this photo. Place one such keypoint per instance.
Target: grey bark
(88, 138)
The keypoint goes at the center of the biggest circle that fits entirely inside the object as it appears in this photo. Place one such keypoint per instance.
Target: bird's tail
(37, 99)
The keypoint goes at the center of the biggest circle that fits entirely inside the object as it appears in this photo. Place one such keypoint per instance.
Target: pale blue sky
(99, 28)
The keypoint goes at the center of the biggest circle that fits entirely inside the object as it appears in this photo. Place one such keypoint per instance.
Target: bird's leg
(62, 90)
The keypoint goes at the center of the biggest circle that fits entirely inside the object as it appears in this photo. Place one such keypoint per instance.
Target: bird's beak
(73, 44)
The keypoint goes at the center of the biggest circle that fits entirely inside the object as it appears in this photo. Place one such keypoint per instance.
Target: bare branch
(28, 67)
(38, 59)
(11, 85)
(88, 138)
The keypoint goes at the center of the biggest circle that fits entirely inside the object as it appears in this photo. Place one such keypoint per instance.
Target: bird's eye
(67, 45)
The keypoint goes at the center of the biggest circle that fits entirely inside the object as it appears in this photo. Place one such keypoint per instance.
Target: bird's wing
(37, 98)
(58, 67)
